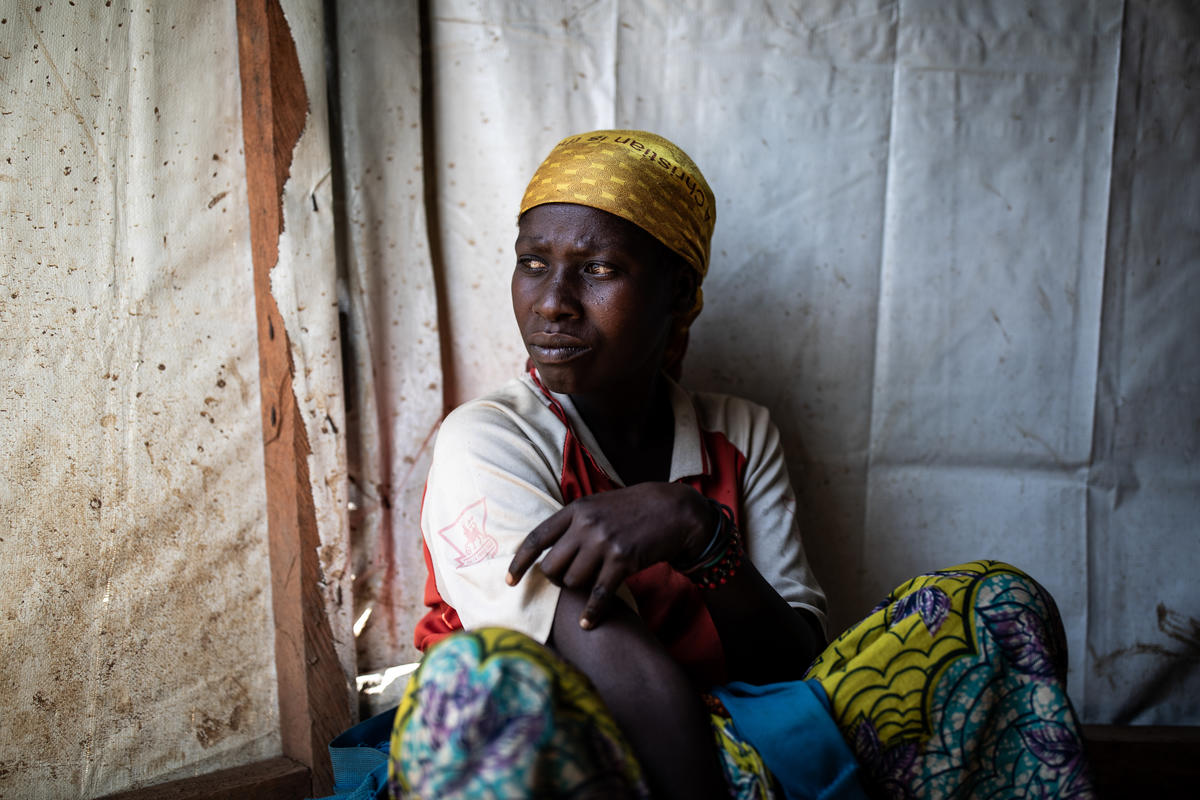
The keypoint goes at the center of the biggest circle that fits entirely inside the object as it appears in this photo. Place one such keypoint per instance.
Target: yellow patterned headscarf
(645, 179)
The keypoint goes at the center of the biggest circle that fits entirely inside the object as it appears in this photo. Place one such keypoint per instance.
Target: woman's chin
(559, 378)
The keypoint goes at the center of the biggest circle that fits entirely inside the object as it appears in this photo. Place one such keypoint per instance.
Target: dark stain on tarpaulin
(1179, 627)
(211, 729)
(1169, 672)
(385, 593)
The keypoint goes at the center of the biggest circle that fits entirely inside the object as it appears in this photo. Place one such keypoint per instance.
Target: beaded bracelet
(716, 545)
(721, 558)
(716, 574)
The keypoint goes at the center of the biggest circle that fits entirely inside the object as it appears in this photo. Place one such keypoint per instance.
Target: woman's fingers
(560, 560)
(601, 597)
(579, 570)
(596, 542)
(544, 535)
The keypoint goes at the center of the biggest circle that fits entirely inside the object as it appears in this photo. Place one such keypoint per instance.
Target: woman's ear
(683, 298)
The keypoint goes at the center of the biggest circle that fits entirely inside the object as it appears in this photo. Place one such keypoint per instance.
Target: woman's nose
(559, 298)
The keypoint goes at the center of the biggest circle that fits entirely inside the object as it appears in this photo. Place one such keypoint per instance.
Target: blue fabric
(790, 727)
(360, 759)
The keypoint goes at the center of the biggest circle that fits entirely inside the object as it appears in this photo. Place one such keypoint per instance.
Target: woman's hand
(596, 542)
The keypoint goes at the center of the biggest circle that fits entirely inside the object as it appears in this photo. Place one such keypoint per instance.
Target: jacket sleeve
(492, 480)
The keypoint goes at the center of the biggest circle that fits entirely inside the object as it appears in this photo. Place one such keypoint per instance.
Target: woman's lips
(555, 348)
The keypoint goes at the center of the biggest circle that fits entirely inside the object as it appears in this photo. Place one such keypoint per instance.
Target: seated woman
(593, 518)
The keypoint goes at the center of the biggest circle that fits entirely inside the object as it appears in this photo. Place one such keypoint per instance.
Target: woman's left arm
(765, 639)
(770, 614)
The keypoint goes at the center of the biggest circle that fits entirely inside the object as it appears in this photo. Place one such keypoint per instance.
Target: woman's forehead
(580, 226)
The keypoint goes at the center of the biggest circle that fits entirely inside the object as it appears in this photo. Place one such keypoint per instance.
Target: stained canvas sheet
(136, 642)
(393, 371)
(1143, 500)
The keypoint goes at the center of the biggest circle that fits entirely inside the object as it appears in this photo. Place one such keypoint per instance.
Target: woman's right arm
(649, 696)
(597, 542)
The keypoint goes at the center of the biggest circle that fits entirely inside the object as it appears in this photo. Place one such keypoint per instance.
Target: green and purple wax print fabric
(954, 687)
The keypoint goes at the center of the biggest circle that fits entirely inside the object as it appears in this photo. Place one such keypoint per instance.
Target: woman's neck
(635, 428)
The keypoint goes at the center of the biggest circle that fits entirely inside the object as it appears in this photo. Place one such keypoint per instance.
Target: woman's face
(593, 298)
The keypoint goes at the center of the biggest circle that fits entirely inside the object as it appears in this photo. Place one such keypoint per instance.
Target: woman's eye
(599, 270)
(531, 264)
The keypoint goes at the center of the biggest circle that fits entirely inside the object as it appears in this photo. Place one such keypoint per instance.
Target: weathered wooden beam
(313, 693)
(1144, 761)
(274, 779)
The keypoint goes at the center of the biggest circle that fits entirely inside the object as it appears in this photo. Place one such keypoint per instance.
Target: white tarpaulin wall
(952, 256)
(136, 630)
(956, 255)
(136, 642)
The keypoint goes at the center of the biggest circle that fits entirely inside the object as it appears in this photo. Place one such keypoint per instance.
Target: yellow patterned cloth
(955, 687)
(638, 176)
(885, 668)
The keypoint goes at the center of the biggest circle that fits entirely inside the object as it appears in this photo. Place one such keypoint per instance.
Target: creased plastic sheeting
(393, 374)
(1143, 640)
(304, 285)
(914, 268)
(136, 642)
(510, 79)
(989, 305)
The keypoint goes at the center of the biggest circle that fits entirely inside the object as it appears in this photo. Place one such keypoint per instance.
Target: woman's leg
(955, 686)
(492, 714)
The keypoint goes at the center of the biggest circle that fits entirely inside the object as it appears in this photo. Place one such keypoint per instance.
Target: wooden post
(313, 696)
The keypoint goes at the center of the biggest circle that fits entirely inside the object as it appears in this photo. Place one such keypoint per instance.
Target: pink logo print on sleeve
(468, 535)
